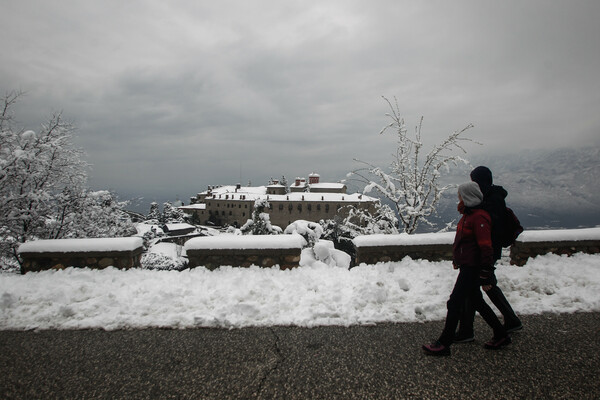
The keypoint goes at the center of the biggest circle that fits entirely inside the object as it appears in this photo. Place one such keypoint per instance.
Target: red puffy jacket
(473, 240)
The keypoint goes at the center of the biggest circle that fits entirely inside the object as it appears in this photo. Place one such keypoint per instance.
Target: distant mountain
(547, 189)
(559, 188)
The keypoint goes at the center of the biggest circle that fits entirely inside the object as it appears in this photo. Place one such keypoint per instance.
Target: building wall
(282, 213)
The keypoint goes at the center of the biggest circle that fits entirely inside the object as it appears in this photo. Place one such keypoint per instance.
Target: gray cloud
(171, 97)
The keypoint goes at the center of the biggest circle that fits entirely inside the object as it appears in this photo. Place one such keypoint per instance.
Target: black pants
(467, 287)
(499, 300)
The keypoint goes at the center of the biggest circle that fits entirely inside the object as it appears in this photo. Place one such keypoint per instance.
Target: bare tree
(412, 182)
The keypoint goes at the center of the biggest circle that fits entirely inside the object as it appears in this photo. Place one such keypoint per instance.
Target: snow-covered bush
(310, 231)
(164, 256)
(413, 183)
(324, 254)
(94, 214)
(158, 261)
(260, 224)
(360, 221)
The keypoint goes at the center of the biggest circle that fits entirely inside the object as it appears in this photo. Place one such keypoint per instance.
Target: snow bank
(307, 296)
(245, 242)
(560, 235)
(404, 239)
(81, 245)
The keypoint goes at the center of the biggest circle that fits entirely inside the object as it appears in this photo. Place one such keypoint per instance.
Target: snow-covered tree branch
(412, 182)
(43, 193)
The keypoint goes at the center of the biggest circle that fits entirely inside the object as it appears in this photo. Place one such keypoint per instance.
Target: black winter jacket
(495, 204)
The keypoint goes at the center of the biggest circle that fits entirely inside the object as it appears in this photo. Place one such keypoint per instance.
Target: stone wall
(122, 253)
(564, 242)
(438, 247)
(214, 258)
(98, 260)
(244, 251)
(372, 249)
(375, 254)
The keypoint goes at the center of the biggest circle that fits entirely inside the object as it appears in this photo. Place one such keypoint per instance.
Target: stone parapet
(244, 251)
(213, 259)
(372, 249)
(568, 241)
(122, 253)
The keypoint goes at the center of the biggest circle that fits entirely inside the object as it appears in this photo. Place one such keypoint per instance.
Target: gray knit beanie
(471, 194)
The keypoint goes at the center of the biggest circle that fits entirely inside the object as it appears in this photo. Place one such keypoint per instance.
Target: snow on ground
(314, 294)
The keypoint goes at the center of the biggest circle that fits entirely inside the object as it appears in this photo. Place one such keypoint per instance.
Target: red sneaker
(497, 343)
(436, 349)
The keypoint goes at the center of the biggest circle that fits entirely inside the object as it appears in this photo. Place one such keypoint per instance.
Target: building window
(326, 208)
(300, 207)
(280, 207)
(318, 207)
(309, 206)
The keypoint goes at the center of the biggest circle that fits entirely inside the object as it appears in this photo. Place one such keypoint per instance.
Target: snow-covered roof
(560, 235)
(404, 239)
(327, 185)
(197, 206)
(245, 242)
(81, 245)
(178, 226)
(299, 196)
(234, 189)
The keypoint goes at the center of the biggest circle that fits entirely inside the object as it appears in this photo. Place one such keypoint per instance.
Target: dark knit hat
(470, 194)
(483, 176)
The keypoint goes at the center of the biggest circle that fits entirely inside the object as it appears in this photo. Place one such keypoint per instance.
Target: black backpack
(509, 228)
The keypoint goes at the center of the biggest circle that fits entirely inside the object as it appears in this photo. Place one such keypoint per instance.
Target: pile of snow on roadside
(311, 295)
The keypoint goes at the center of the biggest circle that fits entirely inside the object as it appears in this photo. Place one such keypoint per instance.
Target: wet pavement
(556, 356)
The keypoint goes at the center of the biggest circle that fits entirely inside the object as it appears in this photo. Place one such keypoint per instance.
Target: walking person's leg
(501, 337)
(511, 321)
(466, 280)
(465, 332)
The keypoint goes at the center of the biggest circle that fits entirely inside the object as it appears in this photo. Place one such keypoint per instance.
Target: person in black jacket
(472, 253)
(494, 203)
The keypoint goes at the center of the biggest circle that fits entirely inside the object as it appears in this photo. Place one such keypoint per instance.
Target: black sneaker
(497, 343)
(462, 338)
(513, 328)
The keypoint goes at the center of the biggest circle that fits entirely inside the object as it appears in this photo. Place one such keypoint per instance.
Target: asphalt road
(554, 357)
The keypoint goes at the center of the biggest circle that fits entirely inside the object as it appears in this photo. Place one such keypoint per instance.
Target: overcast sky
(170, 97)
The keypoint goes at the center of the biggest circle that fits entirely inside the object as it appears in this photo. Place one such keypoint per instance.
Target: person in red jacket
(494, 203)
(473, 256)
